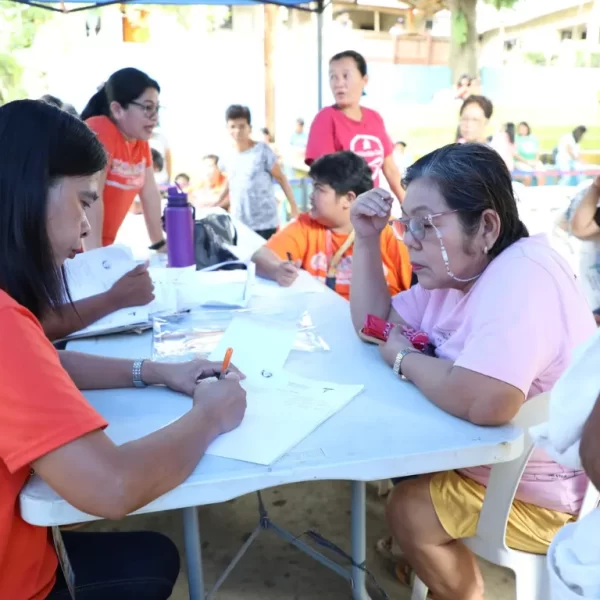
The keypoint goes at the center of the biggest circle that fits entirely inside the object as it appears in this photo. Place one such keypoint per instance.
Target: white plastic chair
(489, 541)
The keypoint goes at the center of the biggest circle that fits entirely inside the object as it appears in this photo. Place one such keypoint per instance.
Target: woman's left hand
(396, 342)
(182, 377)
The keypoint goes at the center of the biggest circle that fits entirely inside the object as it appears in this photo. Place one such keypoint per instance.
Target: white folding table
(390, 430)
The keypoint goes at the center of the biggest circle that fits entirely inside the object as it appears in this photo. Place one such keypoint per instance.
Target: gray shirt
(251, 193)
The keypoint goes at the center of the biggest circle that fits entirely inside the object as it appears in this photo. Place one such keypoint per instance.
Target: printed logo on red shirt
(370, 148)
(125, 175)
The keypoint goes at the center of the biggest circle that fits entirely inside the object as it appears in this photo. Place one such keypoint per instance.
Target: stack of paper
(95, 272)
(282, 409)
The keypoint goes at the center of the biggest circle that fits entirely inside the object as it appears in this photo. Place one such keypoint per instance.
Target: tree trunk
(463, 52)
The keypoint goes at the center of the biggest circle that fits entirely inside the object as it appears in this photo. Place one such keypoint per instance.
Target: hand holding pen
(287, 271)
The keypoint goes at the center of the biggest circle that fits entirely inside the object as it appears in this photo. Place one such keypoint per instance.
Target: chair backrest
(505, 477)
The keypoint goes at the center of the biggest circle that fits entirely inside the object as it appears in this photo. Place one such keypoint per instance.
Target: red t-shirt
(125, 174)
(40, 411)
(332, 131)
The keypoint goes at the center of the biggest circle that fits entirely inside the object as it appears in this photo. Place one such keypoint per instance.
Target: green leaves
(460, 28)
(19, 25)
(498, 4)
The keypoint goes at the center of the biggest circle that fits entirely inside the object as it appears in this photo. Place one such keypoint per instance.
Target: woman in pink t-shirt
(504, 312)
(349, 126)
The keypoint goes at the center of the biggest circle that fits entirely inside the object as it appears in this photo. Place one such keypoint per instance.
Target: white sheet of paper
(94, 272)
(282, 410)
(305, 284)
(259, 343)
(186, 289)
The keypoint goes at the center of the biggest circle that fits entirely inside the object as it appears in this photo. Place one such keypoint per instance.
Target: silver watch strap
(398, 362)
(136, 373)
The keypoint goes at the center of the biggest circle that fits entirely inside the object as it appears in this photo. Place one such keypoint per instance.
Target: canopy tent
(317, 7)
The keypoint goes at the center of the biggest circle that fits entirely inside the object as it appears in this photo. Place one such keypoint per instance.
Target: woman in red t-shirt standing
(349, 126)
(123, 113)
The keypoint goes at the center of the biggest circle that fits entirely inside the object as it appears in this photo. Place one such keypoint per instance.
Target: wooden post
(270, 32)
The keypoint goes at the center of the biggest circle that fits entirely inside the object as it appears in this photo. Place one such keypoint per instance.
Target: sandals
(388, 549)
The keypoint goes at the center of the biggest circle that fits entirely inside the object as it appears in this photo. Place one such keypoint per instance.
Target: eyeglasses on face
(416, 226)
(149, 110)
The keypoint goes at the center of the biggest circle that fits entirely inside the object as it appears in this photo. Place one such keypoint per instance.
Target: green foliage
(460, 28)
(19, 25)
(498, 4)
(10, 77)
(535, 58)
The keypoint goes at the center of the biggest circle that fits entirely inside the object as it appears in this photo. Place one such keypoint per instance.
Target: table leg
(359, 539)
(193, 553)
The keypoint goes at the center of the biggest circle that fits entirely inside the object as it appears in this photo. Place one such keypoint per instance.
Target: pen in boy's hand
(226, 362)
(289, 257)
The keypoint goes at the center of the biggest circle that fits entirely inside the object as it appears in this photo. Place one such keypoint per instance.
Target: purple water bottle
(179, 225)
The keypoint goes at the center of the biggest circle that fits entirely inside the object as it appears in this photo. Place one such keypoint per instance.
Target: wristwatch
(136, 373)
(157, 245)
(400, 358)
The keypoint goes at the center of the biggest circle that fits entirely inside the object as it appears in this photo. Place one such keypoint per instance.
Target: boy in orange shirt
(321, 241)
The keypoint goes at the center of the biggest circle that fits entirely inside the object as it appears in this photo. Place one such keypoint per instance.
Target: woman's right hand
(370, 212)
(224, 401)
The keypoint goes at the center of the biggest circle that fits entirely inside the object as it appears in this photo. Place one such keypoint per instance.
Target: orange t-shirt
(125, 174)
(40, 410)
(306, 240)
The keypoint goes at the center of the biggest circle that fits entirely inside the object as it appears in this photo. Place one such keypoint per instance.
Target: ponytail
(124, 87)
(97, 106)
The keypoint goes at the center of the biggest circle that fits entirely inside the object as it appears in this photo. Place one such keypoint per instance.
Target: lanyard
(334, 261)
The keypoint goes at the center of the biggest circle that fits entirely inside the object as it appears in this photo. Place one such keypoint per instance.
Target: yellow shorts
(458, 500)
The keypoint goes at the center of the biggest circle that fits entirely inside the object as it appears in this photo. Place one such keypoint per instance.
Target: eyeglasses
(149, 110)
(416, 226)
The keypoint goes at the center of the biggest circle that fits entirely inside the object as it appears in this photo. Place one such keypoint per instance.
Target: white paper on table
(282, 410)
(259, 344)
(305, 284)
(177, 290)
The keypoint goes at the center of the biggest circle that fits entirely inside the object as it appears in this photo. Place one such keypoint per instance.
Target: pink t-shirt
(332, 131)
(519, 324)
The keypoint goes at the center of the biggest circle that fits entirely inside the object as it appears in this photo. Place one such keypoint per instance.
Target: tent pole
(320, 9)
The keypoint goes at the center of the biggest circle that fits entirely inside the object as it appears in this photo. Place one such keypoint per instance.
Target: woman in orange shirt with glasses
(123, 113)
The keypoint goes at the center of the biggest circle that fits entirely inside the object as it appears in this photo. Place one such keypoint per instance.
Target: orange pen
(226, 362)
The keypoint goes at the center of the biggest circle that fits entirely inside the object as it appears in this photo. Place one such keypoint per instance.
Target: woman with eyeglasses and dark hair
(123, 113)
(48, 182)
(475, 114)
(349, 126)
(503, 313)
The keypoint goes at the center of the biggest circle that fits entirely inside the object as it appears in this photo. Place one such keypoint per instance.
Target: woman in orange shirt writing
(48, 184)
(123, 113)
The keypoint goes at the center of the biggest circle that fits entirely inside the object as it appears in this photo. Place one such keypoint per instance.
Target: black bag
(210, 235)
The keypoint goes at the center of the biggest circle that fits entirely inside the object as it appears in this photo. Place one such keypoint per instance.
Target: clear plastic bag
(186, 336)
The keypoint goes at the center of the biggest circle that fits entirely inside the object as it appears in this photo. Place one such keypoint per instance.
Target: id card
(63, 559)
